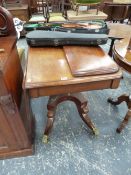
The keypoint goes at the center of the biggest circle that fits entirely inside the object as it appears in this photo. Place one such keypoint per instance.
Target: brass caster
(45, 139)
(96, 131)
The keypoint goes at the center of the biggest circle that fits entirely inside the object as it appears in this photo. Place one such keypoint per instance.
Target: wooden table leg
(81, 104)
(111, 46)
(121, 99)
(113, 39)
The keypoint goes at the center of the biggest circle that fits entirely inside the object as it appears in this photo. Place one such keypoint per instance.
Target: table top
(118, 3)
(48, 67)
(85, 15)
(118, 30)
(122, 53)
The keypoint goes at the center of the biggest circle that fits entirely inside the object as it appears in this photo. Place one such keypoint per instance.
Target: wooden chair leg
(77, 10)
(121, 99)
(97, 10)
(111, 46)
(124, 122)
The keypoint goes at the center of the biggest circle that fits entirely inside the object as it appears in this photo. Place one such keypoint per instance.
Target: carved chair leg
(77, 10)
(97, 10)
(111, 46)
(121, 99)
(124, 122)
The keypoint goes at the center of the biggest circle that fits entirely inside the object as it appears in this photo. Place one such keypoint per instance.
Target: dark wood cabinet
(16, 127)
(116, 11)
(22, 12)
(18, 8)
(16, 124)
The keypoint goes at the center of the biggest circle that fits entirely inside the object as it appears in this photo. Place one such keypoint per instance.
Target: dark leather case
(54, 38)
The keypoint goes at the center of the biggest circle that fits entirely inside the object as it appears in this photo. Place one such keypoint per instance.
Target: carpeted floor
(72, 148)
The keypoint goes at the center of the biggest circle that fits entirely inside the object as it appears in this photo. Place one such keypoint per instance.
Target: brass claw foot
(45, 139)
(96, 131)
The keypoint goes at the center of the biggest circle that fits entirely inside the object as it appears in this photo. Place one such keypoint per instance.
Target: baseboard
(17, 153)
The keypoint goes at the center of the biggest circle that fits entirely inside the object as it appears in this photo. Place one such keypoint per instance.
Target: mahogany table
(48, 74)
(117, 32)
(122, 55)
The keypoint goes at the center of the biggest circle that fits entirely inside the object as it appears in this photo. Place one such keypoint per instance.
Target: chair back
(56, 5)
(40, 6)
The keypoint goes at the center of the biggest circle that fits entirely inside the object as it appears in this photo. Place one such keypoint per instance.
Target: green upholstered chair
(39, 15)
(56, 17)
(55, 10)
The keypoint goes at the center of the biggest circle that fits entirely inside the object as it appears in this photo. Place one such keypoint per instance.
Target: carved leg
(81, 104)
(77, 10)
(120, 99)
(82, 108)
(124, 122)
(97, 10)
(50, 120)
(111, 46)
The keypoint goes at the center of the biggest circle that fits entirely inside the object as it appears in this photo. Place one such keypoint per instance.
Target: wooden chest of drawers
(15, 123)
